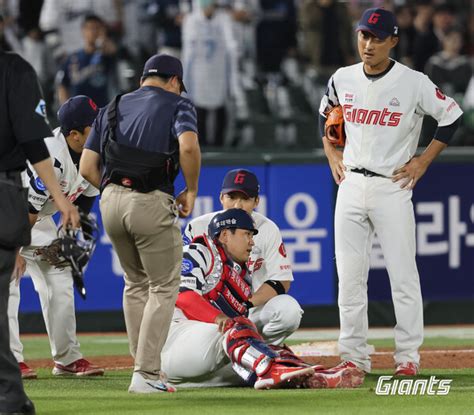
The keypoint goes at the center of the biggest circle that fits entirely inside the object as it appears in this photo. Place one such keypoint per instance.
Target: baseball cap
(241, 180)
(164, 65)
(380, 22)
(77, 112)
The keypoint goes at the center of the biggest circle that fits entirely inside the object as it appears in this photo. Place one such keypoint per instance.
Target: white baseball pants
(368, 205)
(55, 289)
(194, 351)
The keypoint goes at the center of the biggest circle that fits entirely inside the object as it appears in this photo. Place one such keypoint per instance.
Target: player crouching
(210, 326)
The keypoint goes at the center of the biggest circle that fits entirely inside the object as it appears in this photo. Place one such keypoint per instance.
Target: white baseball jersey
(383, 118)
(71, 182)
(209, 58)
(268, 260)
(66, 16)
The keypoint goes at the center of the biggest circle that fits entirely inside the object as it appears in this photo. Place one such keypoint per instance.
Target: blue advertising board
(444, 209)
(298, 198)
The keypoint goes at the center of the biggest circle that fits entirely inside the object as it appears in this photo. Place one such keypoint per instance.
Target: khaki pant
(144, 231)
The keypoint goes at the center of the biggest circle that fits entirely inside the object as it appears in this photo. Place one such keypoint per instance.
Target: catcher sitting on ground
(210, 327)
(52, 280)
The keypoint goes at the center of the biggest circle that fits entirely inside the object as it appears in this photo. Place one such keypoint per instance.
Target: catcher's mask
(73, 248)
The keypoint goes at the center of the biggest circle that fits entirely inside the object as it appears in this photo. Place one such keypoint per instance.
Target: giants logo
(373, 117)
(239, 178)
(374, 18)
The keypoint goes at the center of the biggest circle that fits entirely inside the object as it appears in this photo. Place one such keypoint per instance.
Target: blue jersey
(140, 119)
(87, 74)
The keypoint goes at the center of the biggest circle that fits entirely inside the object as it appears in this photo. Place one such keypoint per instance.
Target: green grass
(108, 395)
(37, 347)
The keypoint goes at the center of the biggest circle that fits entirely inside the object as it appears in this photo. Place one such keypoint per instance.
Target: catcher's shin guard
(246, 348)
(256, 362)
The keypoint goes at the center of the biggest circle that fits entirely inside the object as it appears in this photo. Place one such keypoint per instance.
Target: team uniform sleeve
(196, 227)
(27, 108)
(277, 264)
(188, 233)
(38, 194)
(197, 262)
(330, 98)
(185, 118)
(433, 102)
(328, 102)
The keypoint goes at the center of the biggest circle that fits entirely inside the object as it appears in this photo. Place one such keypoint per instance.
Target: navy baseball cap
(77, 112)
(164, 65)
(241, 180)
(380, 22)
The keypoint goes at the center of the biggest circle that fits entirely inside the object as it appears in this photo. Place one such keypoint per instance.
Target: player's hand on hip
(185, 201)
(19, 269)
(410, 173)
(336, 165)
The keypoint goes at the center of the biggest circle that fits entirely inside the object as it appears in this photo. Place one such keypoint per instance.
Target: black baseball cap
(164, 65)
(77, 112)
(241, 180)
(380, 22)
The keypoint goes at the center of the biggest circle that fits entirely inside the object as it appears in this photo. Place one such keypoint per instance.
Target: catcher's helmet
(230, 219)
(77, 247)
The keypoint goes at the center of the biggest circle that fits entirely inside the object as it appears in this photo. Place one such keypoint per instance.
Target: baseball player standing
(55, 286)
(383, 105)
(276, 314)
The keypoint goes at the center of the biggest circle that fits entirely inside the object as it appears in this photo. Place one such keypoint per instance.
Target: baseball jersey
(72, 185)
(66, 16)
(268, 260)
(209, 58)
(383, 116)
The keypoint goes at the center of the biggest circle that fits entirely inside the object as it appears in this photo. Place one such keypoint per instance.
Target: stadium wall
(298, 193)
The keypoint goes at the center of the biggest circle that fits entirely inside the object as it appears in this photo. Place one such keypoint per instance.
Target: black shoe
(27, 408)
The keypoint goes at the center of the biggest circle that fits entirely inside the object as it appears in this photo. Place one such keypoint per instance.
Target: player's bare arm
(89, 167)
(266, 292)
(411, 172)
(69, 213)
(190, 162)
(334, 157)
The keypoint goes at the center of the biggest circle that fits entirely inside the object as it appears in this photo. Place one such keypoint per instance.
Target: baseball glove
(53, 254)
(334, 127)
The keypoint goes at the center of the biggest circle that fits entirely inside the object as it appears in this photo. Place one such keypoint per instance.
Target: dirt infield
(449, 358)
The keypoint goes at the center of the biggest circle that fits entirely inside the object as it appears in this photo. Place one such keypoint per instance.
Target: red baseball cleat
(27, 372)
(280, 376)
(407, 369)
(341, 376)
(80, 367)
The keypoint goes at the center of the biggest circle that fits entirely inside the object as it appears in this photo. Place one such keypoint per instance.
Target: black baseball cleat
(27, 408)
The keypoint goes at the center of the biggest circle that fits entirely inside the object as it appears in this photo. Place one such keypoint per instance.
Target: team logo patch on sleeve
(186, 240)
(186, 266)
(440, 94)
(41, 108)
(39, 184)
(282, 250)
